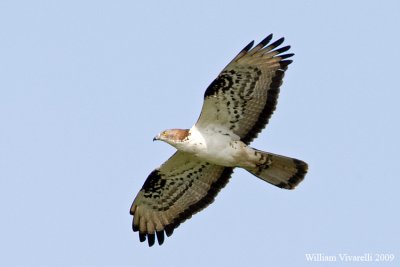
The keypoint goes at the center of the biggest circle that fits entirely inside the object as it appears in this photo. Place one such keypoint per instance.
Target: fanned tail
(281, 171)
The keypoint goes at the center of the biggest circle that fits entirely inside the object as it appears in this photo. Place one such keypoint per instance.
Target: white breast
(214, 145)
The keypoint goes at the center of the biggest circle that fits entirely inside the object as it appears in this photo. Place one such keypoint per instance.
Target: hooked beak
(157, 137)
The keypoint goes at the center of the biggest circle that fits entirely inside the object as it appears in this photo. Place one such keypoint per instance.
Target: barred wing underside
(244, 95)
(182, 186)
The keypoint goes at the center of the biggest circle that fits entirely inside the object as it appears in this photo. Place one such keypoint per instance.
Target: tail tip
(298, 177)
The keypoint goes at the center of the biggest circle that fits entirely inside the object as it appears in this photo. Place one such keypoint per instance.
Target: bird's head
(173, 136)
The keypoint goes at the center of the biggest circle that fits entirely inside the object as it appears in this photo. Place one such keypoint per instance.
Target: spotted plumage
(237, 106)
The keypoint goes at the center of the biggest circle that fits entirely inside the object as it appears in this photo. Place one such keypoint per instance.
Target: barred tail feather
(281, 171)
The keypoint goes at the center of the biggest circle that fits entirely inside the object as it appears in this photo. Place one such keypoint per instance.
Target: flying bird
(237, 106)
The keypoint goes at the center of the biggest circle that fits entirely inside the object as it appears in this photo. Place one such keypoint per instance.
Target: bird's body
(215, 146)
(237, 106)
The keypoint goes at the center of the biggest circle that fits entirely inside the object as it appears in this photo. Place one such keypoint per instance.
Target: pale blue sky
(85, 86)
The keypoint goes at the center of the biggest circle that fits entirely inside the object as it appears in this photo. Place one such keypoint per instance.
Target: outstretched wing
(182, 186)
(244, 95)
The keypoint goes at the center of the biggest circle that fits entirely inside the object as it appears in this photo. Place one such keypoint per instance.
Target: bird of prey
(237, 106)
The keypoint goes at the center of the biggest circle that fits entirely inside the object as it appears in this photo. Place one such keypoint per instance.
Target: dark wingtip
(248, 47)
(169, 230)
(142, 237)
(160, 237)
(276, 44)
(285, 63)
(266, 40)
(283, 49)
(151, 238)
(286, 55)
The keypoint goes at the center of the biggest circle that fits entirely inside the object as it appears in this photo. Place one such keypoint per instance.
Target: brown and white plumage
(237, 106)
